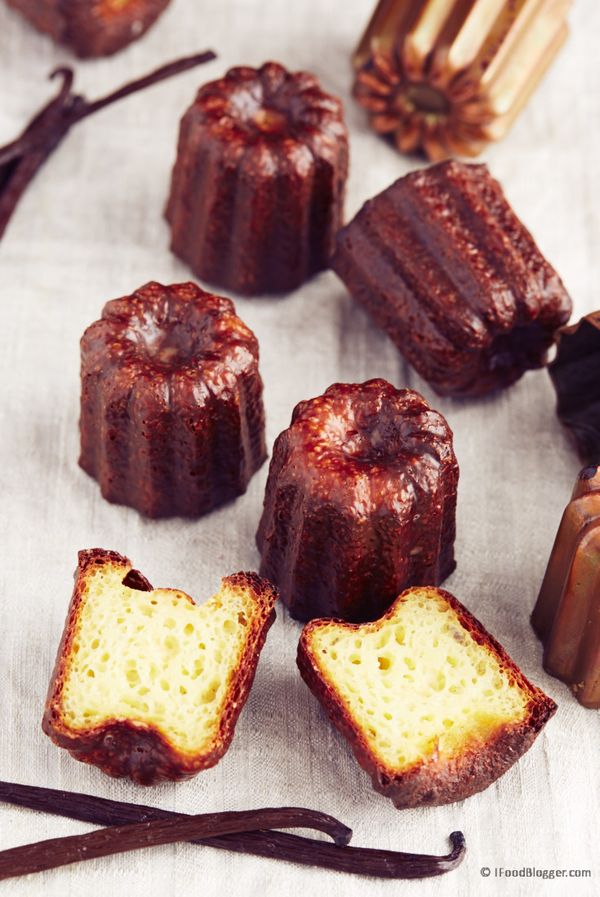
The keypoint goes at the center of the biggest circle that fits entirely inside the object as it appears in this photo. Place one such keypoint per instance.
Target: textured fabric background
(90, 229)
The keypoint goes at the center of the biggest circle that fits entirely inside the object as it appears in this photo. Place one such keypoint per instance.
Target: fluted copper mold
(360, 502)
(442, 263)
(448, 78)
(575, 373)
(172, 416)
(258, 185)
(566, 616)
(92, 27)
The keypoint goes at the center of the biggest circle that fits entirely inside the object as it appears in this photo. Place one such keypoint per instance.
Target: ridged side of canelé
(127, 745)
(170, 442)
(340, 541)
(437, 778)
(254, 214)
(443, 264)
(96, 28)
(575, 374)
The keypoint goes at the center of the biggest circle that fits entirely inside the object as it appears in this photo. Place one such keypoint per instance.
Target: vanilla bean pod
(21, 159)
(57, 852)
(273, 845)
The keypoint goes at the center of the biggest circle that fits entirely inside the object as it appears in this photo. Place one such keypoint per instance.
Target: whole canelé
(172, 417)
(442, 263)
(92, 27)
(258, 185)
(360, 502)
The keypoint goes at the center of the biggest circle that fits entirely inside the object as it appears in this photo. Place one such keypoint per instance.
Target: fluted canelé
(92, 27)
(172, 417)
(442, 263)
(258, 185)
(360, 502)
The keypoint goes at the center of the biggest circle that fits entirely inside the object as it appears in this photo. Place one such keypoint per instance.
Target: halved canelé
(147, 684)
(433, 707)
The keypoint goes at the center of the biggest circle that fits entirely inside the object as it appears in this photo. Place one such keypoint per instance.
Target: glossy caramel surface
(172, 420)
(259, 182)
(360, 501)
(444, 265)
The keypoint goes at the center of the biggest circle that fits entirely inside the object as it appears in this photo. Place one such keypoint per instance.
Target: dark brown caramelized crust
(442, 263)
(360, 502)
(92, 27)
(566, 616)
(258, 184)
(575, 373)
(122, 747)
(438, 780)
(172, 417)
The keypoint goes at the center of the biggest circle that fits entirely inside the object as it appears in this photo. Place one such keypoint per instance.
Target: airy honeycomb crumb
(418, 685)
(156, 658)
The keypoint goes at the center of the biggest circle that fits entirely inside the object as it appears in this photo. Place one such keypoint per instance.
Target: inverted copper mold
(567, 613)
(448, 78)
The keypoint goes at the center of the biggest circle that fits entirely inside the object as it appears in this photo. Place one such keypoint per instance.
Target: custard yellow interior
(417, 686)
(155, 657)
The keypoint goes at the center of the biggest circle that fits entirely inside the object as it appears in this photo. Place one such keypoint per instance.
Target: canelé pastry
(433, 707)
(147, 684)
(447, 78)
(360, 502)
(172, 418)
(258, 185)
(92, 27)
(567, 613)
(575, 373)
(443, 264)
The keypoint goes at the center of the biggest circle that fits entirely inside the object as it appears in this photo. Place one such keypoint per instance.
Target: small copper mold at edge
(447, 79)
(566, 616)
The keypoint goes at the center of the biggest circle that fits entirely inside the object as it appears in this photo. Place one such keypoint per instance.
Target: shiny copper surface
(446, 78)
(566, 616)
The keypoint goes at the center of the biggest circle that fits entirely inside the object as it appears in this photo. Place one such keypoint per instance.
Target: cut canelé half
(433, 707)
(148, 684)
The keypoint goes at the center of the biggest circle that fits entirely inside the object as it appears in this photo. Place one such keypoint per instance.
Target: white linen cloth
(90, 228)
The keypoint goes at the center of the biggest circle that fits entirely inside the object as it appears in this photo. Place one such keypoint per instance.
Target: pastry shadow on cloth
(365, 351)
(303, 760)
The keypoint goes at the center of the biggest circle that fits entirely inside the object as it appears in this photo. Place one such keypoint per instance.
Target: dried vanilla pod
(21, 159)
(269, 844)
